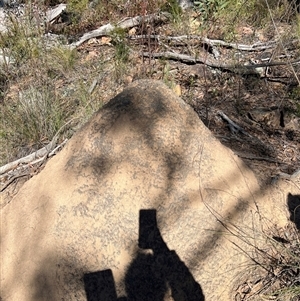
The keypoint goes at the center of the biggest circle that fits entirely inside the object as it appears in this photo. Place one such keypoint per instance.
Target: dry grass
(61, 78)
(275, 272)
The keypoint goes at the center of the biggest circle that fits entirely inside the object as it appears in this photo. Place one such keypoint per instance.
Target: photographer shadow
(154, 271)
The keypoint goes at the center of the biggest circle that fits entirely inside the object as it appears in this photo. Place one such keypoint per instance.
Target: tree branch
(239, 69)
(126, 23)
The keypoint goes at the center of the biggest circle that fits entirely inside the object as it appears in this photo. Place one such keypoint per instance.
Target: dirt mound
(145, 149)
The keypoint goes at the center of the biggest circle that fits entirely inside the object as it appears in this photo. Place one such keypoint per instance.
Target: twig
(253, 157)
(13, 179)
(234, 128)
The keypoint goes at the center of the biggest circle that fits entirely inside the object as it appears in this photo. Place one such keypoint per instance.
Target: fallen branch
(43, 152)
(194, 39)
(101, 31)
(293, 176)
(239, 69)
(234, 128)
(131, 22)
(25, 160)
(53, 14)
(253, 47)
(126, 23)
(29, 173)
(35, 157)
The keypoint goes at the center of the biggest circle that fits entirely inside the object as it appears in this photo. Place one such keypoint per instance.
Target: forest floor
(264, 102)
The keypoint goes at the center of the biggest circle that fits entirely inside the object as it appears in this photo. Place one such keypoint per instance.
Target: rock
(184, 4)
(5, 59)
(145, 149)
(3, 27)
(8, 3)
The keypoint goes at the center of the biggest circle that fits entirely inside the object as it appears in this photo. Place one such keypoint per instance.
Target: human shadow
(100, 286)
(150, 274)
(293, 202)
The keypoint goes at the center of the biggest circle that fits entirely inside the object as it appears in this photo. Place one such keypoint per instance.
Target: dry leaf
(106, 40)
(132, 31)
(177, 90)
(92, 41)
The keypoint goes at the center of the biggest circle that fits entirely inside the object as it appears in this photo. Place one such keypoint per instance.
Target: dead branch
(126, 23)
(25, 160)
(49, 150)
(194, 40)
(55, 150)
(53, 14)
(42, 153)
(239, 69)
(131, 22)
(253, 47)
(101, 31)
(19, 171)
(286, 176)
(234, 128)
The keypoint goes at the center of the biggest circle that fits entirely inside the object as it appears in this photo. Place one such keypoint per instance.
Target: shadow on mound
(150, 274)
(293, 202)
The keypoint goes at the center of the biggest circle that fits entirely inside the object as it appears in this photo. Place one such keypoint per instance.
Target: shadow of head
(153, 270)
(100, 286)
(141, 284)
(293, 202)
(143, 281)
